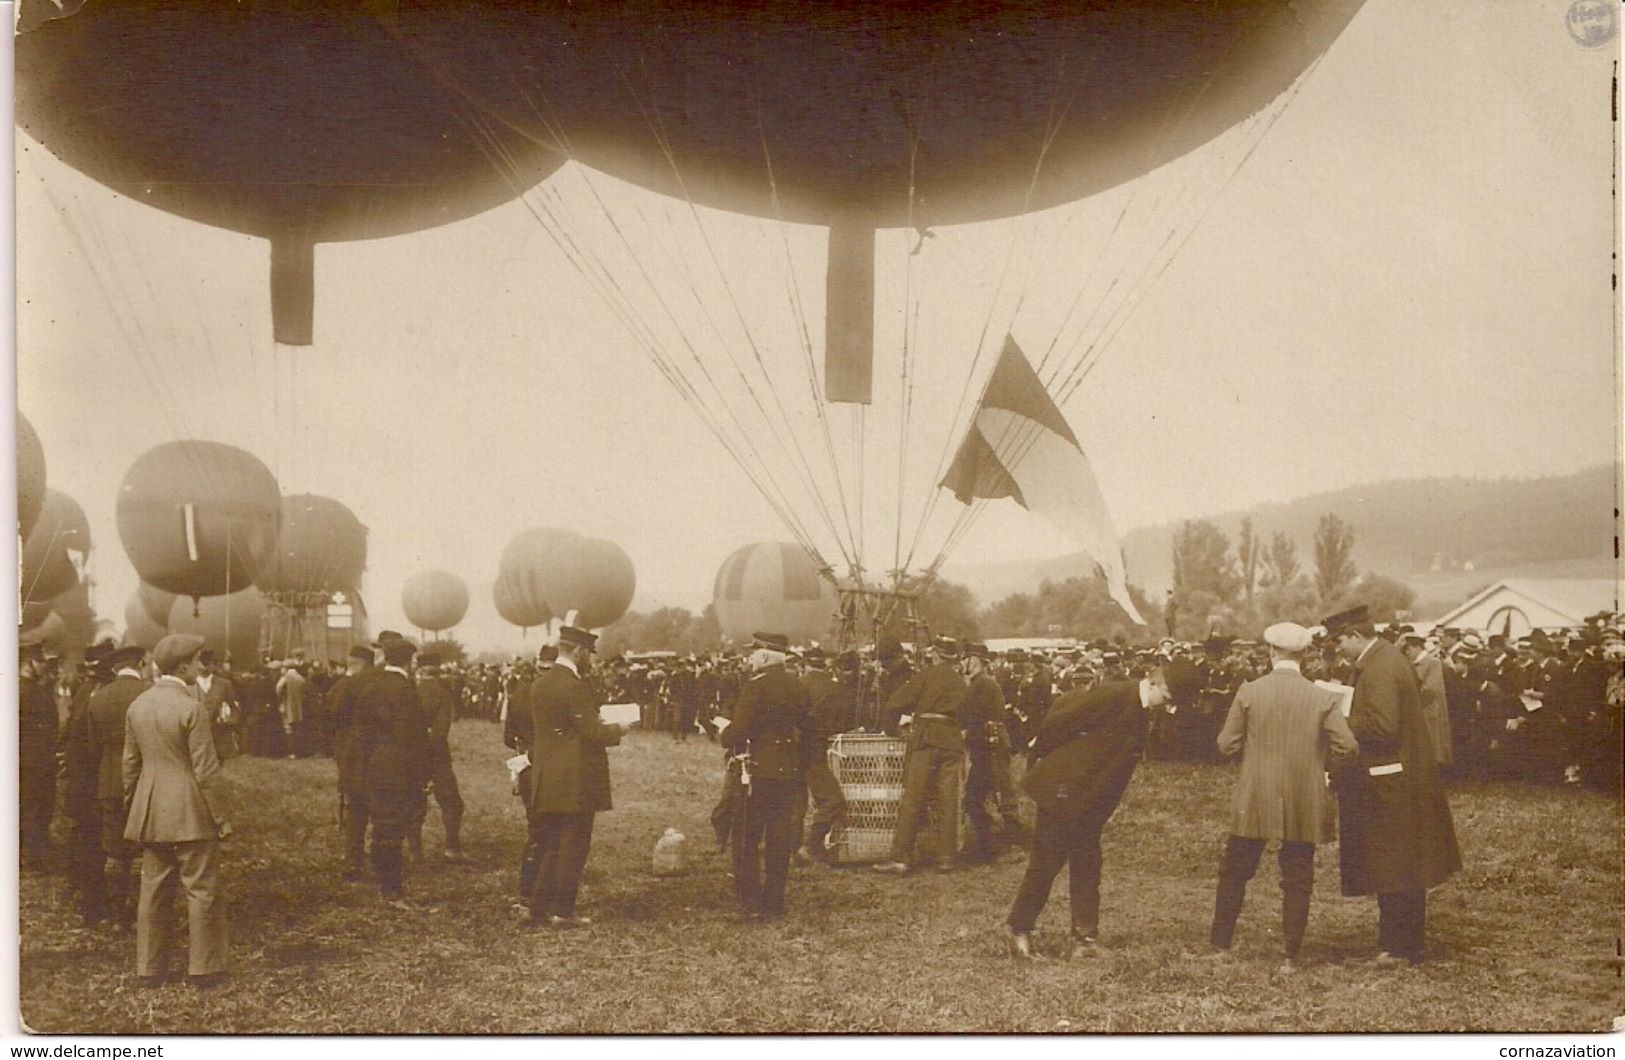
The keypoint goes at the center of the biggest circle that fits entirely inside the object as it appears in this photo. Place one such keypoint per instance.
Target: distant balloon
(773, 587)
(139, 628)
(199, 518)
(593, 578)
(30, 476)
(434, 600)
(520, 592)
(155, 602)
(229, 625)
(61, 533)
(322, 548)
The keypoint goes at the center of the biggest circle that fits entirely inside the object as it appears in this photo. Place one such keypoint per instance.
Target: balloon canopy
(139, 627)
(520, 592)
(321, 549)
(773, 587)
(229, 625)
(297, 124)
(434, 600)
(155, 602)
(199, 518)
(592, 578)
(515, 604)
(61, 537)
(30, 476)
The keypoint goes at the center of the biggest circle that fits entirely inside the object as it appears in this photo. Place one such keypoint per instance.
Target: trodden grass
(1522, 939)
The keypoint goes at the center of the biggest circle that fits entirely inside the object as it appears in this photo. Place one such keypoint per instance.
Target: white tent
(1518, 605)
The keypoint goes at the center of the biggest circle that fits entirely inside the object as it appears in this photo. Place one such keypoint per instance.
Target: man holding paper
(1397, 836)
(571, 777)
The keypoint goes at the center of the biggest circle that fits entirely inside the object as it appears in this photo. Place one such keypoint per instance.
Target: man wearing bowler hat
(109, 710)
(571, 783)
(391, 749)
(1397, 837)
(177, 812)
(1083, 756)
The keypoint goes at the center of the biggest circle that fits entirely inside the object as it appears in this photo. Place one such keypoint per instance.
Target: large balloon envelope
(773, 587)
(521, 590)
(60, 533)
(229, 625)
(155, 602)
(321, 549)
(30, 476)
(300, 123)
(198, 518)
(592, 578)
(434, 600)
(515, 605)
(139, 628)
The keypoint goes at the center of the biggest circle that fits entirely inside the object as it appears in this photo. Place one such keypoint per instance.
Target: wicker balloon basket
(869, 768)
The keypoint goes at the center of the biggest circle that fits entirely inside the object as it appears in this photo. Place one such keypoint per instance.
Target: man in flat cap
(772, 724)
(1397, 836)
(935, 698)
(1084, 754)
(392, 756)
(438, 711)
(571, 782)
(1284, 728)
(177, 812)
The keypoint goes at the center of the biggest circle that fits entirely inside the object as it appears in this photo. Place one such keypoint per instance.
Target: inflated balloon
(78, 617)
(593, 578)
(61, 535)
(229, 625)
(773, 587)
(263, 119)
(321, 549)
(155, 602)
(199, 518)
(434, 600)
(30, 476)
(529, 560)
(32, 614)
(139, 628)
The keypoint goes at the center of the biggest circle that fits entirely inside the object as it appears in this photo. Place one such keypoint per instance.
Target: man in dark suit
(935, 699)
(571, 780)
(1083, 755)
(984, 740)
(109, 707)
(391, 755)
(80, 771)
(359, 668)
(1397, 836)
(828, 699)
(36, 749)
(438, 711)
(771, 724)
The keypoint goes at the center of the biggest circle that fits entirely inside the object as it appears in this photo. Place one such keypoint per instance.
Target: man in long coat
(1084, 753)
(439, 708)
(1397, 837)
(1283, 727)
(349, 758)
(571, 782)
(176, 795)
(392, 751)
(109, 708)
(1435, 707)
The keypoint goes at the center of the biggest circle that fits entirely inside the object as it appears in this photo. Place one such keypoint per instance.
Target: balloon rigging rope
(802, 464)
(905, 385)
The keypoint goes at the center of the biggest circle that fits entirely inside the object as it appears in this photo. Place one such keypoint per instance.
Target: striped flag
(1019, 446)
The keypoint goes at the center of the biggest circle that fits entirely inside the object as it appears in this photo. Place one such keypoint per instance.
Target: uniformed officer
(983, 723)
(828, 719)
(935, 698)
(772, 729)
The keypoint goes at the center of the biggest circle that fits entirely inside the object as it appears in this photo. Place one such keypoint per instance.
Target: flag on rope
(1019, 446)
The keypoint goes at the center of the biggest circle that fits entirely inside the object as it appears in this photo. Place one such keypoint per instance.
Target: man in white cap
(176, 795)
(1284, 727)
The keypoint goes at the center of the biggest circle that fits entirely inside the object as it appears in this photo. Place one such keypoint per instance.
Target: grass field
(1522, 939)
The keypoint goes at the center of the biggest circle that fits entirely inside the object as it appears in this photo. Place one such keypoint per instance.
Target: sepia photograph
(715, 518)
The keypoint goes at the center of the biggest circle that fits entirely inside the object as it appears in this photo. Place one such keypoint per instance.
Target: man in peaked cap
(935, 699)
(571, 782)
(1084, 754)
(773, 725)
(177, 812)
(1283, 727)
(1397, 837)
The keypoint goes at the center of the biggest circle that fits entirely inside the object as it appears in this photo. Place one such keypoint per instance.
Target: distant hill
(1446, 537)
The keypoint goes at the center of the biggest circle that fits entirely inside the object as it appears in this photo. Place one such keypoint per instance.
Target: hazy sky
(1409, 276)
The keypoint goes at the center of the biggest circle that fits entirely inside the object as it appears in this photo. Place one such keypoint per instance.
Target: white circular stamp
(1593, 23)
